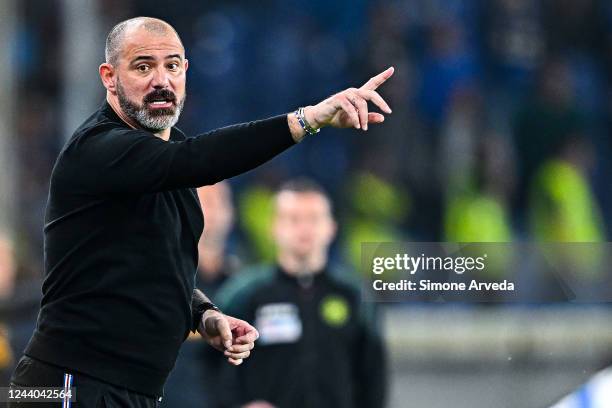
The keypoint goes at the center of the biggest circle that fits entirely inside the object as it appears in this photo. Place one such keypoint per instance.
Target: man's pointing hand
(349, 108)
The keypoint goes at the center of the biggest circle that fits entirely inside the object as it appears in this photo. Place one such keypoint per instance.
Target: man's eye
(142, 68)
(173, 66)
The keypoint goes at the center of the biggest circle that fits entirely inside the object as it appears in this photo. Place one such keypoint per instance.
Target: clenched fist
(234, 337)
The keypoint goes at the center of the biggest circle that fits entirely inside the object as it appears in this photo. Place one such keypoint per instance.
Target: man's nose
(160, 79)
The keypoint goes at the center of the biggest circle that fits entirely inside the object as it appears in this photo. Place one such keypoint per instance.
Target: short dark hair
(305, 185)
(302, 185)
(115, 36)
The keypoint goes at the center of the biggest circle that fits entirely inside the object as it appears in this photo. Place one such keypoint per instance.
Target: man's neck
(298, 266)
(114, 103)
(211, 261)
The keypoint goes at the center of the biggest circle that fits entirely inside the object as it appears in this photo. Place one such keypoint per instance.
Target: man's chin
(303, 253)
(157, 123)
(161, 112)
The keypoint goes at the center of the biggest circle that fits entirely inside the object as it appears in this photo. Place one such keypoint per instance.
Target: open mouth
(161, 103)
(160, 99)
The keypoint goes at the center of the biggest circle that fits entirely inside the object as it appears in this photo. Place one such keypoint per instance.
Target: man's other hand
(235, 337)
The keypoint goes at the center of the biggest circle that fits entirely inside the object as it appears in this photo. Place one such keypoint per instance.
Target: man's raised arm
(124, 160)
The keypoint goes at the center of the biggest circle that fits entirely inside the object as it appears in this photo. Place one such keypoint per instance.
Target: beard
(151, 119)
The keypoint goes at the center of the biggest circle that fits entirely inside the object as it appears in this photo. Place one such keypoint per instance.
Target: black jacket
(319, 346)
(121, 232)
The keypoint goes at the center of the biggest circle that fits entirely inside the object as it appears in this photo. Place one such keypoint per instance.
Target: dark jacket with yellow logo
(319, 345)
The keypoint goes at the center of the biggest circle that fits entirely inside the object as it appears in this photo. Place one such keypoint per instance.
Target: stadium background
(498, 106)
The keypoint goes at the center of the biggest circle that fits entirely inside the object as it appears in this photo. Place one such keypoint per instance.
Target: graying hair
(116, 35)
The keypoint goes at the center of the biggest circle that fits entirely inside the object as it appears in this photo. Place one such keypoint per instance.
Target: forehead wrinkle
(153, 40)
(151, 50)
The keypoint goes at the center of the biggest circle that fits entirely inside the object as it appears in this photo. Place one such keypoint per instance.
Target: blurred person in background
(542, 121)
(563, 207)
(477, 169)
(19, 304)
(7, 267)
(215, 262)
(319, 345)
(376, 208)
(256, 211)
(477, 208)
(513, 45)
(7, 283)
(122, 208)
(478, 172)
(193, 381)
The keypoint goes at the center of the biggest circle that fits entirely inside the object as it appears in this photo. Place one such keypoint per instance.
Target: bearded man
(123, 222)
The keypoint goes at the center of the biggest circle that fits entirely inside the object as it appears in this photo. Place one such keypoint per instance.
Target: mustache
(160, 94)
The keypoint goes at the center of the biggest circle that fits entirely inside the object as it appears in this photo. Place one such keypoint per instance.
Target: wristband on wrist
(208, 306)
(301, 118)
(199, 312)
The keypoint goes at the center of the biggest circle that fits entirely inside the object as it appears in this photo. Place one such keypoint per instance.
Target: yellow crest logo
(334, 310)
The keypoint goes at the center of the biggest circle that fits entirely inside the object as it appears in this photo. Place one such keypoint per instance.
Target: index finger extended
(379, 79)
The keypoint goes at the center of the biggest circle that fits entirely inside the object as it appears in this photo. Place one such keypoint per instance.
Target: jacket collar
(306, 280)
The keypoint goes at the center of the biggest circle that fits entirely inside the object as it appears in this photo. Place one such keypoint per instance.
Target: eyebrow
(150, 58)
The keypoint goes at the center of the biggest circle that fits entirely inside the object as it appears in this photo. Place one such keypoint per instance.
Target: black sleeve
(120, 160)
(198, 300)
(370, 362)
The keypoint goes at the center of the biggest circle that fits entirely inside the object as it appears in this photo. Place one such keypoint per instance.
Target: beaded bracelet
(301, 118)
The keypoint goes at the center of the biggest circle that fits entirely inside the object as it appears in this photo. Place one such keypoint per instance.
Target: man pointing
(123, 223)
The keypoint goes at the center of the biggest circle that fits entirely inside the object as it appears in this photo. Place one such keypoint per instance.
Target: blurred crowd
(500, 128)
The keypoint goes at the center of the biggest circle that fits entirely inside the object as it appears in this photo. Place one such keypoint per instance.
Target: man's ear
(186, 64)
(273, 229)
(107, 75)
(333, 230)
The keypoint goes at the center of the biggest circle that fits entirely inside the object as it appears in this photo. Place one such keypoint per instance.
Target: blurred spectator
(449, 63)
(478, 206)
(514, 41)
(19, 303)
(193, 382)
(479, 211)
(376, 207)
(478, 179)
(478, 175)
(547, 117)
(563, 207)
(461, 132)
(216, 263)
(256, 212)
(7, 284)
(318, 344)
(441, 49)
(7, 267)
